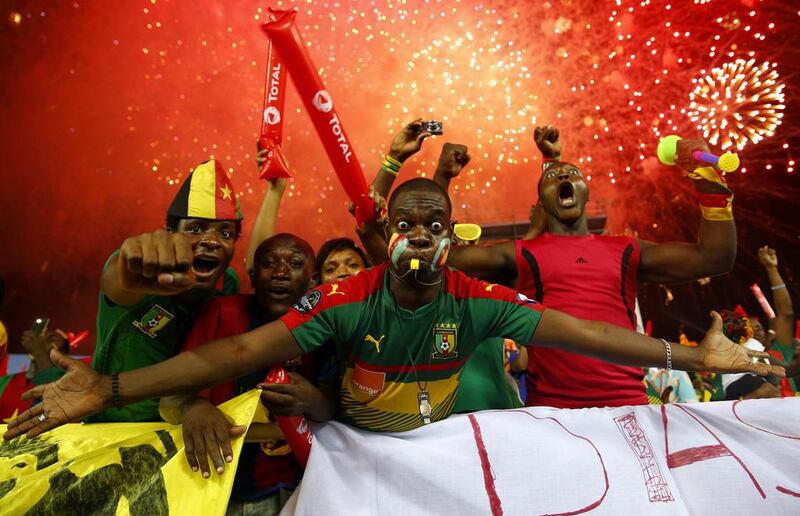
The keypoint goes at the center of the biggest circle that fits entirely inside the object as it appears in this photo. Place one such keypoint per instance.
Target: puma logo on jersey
(377, 343)
(581, 260)
(335, 290)
(490, 286)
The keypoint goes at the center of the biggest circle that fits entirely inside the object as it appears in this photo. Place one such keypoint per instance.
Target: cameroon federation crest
(153, 321)
(445, 340)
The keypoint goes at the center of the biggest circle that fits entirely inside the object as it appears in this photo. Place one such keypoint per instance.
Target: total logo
(272, 115)
(322, 101)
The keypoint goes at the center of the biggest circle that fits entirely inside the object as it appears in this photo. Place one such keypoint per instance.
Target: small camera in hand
(433, 126)
(40, 325)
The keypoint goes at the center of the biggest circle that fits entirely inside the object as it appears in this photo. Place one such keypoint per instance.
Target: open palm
(74, 396)
(720, 355)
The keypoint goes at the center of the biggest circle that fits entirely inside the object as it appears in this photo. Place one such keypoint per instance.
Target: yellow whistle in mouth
(415, 264)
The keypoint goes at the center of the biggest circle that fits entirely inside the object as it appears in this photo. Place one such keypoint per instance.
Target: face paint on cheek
(397, 246)
(440, 258)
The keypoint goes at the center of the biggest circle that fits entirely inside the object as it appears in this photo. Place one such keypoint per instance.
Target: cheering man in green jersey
(402, 331)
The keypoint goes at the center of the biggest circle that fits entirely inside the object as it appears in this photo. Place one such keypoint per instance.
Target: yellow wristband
(717, 213)
(393, 161)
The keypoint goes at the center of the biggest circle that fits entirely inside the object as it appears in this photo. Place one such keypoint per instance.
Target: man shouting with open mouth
(154, 286)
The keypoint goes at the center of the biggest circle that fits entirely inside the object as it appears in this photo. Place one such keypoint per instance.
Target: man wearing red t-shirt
(283, 270)
(595, 276)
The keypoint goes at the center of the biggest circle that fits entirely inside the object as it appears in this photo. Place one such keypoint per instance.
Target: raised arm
(538, 219)
(783, 323)
(674, 262)
(264, 226)
(452, 160)
(608, 342)
(151, 263)
(404, 145)
(496, 263)
(715, 249)
(83, 391)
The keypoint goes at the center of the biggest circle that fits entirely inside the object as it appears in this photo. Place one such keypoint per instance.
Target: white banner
(704, 458)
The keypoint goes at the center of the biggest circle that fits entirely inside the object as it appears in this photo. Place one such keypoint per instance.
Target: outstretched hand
(408, 141)
(82, 391)
(548, 142)
(720, 355)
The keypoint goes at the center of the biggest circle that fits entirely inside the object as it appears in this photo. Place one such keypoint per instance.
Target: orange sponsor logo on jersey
(366, 381)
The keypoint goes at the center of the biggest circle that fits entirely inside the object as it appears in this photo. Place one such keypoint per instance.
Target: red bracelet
(720, 200)
(716, 206)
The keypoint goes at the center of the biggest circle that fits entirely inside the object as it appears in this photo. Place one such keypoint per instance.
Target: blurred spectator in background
(778, 339)
(338, 259)
(672, 386)
(737, 327)
(37, 344)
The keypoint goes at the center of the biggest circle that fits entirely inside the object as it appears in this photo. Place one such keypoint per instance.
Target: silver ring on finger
(42, 417)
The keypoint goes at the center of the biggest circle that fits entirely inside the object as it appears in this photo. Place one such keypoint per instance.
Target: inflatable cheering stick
(319, 104)
(762, 300)
(275, 166)
(295, 428)
(668, 149)
(271, 133)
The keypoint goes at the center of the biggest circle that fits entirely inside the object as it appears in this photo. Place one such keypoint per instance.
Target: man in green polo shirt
(153, 287)
(402, 333)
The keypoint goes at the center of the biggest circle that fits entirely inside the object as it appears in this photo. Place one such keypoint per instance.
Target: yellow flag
(116, 468)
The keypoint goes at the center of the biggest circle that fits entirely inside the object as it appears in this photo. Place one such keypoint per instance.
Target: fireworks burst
(737, 103)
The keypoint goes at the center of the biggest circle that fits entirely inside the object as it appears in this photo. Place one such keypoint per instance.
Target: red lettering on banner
(488, 476)
(701, 453)
(736, 415)
(657, 487)
(596, 503)
(780, 489)
(787, 491)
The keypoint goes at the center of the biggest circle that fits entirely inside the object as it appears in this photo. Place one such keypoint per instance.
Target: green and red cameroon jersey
(388, 354)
